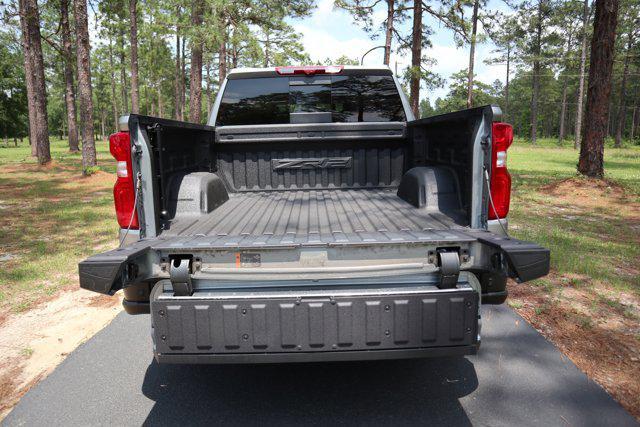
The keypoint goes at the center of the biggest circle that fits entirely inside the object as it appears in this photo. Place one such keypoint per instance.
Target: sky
(331, 33)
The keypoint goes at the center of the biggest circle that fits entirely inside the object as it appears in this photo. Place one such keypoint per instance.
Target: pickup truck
(313, 219)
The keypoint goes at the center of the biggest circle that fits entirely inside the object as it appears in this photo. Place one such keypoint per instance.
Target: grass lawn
(586, 236)
(50, 218)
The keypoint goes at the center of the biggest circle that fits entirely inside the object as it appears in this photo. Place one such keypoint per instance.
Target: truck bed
(315, 216)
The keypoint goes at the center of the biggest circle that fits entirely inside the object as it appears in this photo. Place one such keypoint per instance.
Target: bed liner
(316, 216)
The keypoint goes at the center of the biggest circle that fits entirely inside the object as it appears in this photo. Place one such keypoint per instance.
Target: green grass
(51, 218)
(599, 242)
(547, 162)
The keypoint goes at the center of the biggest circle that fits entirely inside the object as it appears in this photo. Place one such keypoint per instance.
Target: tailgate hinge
(180, 276)
(449, 269)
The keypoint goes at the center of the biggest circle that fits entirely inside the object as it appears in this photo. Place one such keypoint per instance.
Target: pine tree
(591, 162)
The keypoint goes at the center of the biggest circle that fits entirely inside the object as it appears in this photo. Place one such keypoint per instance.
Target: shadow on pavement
(385, 392)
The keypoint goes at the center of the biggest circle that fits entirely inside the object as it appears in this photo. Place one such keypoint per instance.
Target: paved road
(518, 379)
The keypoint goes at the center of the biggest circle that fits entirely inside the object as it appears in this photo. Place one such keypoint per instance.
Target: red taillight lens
(309, 70)
(124, 189)
(502, 137)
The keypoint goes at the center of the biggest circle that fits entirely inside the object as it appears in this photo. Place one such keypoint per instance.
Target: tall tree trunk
(622, 111)
(565, 79)
(416, 58)
(123, 72)
(633, 123)
(506, 87)
(208, 92)
(472, 53)
(30, 81)
(535, 92)
(84, 86)
(183, 89)
(103, 119)
(563, 111)
(160, 106)
(388, 33)
(70, 92)
(583, 63)
(178, 76)
(599, 89)
(114, 106)
(634, 120)
(195, 94)
(30, 18)
(267, 48)
(133, 17)
(222, 57)
(234, 55)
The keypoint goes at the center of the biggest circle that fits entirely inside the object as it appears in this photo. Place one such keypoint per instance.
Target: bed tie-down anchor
(449, 262)
(180, 276)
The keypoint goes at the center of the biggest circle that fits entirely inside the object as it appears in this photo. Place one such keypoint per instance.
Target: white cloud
(321, 44)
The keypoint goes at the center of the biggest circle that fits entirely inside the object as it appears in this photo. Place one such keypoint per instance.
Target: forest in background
(89, 62)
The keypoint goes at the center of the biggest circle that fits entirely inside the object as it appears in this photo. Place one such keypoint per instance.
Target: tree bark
(114, 107)
(183, 89)
(70, 92)
(599, 88)
(535, 92)
(472, 53)
(30, 21)
(208, 91)
(563, 111)
(222, 57)
(633, 122)
(267, 48)
(416, 58)
(178, 82)
(506, 87)
(622, 110)
(388, 35)
(195, 94)
(84, 86)
(123, 73)
(563, 107)
(133, 16)
(583, 63)
(30, 82)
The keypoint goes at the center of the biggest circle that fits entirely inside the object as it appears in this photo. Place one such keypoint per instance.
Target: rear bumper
(307, 325)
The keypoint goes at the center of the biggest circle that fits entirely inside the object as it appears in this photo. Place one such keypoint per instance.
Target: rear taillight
(502, 137)
(124, 189)
(309, 70)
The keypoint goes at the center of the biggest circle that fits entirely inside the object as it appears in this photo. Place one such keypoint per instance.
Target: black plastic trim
(306, 357)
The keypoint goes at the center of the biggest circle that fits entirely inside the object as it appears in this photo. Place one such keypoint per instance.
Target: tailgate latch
(449, 269)
(180, 276)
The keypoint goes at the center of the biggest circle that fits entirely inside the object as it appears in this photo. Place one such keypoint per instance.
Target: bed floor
(322, 215)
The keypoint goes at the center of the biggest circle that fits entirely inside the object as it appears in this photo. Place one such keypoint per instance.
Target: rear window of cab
(344, 98)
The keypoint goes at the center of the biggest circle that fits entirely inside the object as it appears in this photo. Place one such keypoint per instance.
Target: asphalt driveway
(518, 378)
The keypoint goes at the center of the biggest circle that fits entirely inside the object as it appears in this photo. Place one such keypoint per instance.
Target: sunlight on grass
(57, 218)
(594, 242)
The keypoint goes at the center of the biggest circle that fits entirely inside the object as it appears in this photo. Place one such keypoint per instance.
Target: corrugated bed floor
(364, 213)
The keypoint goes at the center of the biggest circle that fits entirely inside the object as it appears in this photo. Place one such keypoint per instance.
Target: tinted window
(269, 100)
(258, 101)
(365, 99)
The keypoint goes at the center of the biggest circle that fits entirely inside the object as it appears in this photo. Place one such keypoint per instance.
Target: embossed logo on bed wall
(312, 163)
